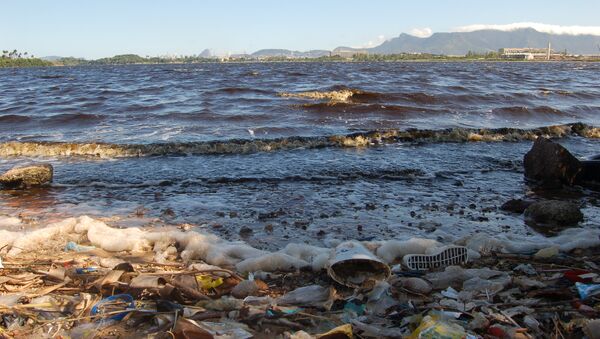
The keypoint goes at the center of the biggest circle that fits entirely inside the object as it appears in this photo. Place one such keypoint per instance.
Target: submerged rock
(554, 213)
(516, 205)
(550, 164)
(27, 176)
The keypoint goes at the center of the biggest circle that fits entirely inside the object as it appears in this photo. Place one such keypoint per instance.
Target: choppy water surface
(294, 151)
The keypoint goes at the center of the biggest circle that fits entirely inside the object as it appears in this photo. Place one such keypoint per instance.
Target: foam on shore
(216, 251)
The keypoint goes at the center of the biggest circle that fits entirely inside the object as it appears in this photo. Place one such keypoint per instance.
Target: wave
(521, 111)
(14, 118)
(389, 174)
(240, 90)
(245, 146)
(336, 94)
(343, 108)
(72, 118)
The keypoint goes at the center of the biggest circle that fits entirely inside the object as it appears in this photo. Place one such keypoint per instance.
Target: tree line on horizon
(15, 58)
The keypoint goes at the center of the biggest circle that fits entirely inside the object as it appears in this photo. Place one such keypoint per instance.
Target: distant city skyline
(94, 29)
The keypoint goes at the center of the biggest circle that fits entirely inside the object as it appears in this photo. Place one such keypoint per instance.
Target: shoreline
(450, 60)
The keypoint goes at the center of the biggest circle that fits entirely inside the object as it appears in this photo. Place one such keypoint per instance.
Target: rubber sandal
(444, 257)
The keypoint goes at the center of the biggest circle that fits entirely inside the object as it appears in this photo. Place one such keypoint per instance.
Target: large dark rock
(550, 164)
(516, 205)
(27, 176)
(554, 213)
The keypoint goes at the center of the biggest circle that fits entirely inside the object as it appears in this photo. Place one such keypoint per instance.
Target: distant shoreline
(25, 63)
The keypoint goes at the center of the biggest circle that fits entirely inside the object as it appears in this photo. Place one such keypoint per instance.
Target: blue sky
(94, 28)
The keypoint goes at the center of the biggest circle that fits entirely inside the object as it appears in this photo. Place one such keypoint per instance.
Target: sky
(100, 28)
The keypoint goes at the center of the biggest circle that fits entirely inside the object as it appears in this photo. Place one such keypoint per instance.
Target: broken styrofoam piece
(354, 266)
(271, 262)
(31, 241)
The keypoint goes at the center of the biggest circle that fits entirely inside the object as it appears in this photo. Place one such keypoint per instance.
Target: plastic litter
(354, 266)
(74, 247)
(313, 295)
(443, 257)
(582, 276)
(508, 294)
(587, 290)
(207, 282)
(340, 332)
(115, 307)
(433, 327)
(85, 270)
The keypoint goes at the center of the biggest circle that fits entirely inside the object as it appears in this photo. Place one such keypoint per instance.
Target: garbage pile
(62, 283)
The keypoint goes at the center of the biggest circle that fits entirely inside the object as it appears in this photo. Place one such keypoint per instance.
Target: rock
(554, 213)
(244, 289)
(27, 176)
(550, 164)
(516, 205)
(245, 231)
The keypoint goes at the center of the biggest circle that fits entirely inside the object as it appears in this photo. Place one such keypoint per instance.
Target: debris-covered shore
(62, 283)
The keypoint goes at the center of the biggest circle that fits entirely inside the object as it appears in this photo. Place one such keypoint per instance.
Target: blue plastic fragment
(74, 247)
(119, 316)
(84, 270)
(587, 290)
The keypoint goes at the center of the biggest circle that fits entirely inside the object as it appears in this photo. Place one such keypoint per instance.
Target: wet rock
(554, 213)
(27, 176)
(303, 224)
(550, 164)
(516, 205)
(270, 215)
(429, 226)
(245, 231)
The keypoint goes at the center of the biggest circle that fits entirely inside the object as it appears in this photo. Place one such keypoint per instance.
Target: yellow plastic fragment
(344, 331)
(207, 282)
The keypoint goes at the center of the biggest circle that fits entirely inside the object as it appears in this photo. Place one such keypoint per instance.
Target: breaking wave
(245, 146)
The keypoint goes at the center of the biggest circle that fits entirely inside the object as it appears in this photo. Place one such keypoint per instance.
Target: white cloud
(545, 28)
(424, 32)
(372, 43)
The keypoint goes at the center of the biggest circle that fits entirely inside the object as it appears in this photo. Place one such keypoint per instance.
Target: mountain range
(481, 41)
(460, 43)
(449, 43)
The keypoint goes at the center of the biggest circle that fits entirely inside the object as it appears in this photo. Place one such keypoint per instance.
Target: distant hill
(460, 43)
(51, 58)
(206, 53)
(288, 53)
